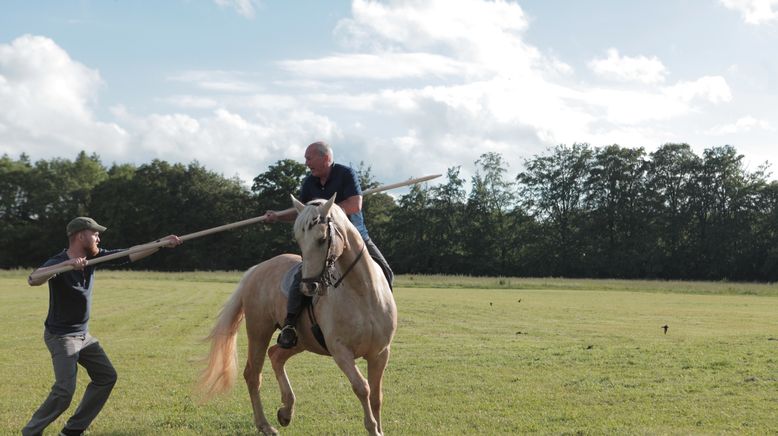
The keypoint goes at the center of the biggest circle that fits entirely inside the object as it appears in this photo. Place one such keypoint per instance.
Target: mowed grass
(477, 356)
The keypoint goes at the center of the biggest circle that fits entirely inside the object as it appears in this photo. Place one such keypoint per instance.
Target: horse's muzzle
(309, 289)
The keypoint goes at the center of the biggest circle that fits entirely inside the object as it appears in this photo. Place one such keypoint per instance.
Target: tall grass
(484, 356)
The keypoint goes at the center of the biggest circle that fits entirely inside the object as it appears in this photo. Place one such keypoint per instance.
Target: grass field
(476, 356)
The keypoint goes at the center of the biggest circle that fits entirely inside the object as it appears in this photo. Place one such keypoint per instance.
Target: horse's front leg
(375, 375)
(345, 361)
(278, 358)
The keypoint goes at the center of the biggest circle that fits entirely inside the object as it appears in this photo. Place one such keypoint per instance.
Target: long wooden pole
(159, 243)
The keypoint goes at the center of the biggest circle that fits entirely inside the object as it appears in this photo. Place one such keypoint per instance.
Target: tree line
(573, 211)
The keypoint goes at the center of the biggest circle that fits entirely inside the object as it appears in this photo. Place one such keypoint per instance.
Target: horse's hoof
(284, 418)
(268, 430)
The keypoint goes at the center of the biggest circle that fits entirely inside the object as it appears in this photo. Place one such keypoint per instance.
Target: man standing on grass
(66, 332)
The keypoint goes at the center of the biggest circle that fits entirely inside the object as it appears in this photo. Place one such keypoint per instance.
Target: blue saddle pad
(286, 282)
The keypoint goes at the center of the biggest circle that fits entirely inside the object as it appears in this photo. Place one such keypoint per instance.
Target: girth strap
(315, 329)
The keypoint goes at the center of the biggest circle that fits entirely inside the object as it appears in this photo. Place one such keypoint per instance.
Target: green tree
(766, 232)
(617, 224)
(446, 220)
(160, 199)
(42, 198)
(17, 217)
(553, 189)
(491, 198)
(673, 183)
(727, 209)
(273, 187)
(376, 208)
(272, 190)
(408, 246)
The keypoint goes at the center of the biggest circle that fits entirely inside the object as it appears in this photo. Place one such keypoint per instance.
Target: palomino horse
(357, 316)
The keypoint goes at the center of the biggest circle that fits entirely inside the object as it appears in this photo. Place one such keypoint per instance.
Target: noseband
(324, 280)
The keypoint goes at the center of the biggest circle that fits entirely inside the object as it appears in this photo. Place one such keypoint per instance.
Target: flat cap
(84, 223)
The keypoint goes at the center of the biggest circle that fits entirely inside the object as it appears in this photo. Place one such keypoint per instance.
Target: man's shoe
(288, 337)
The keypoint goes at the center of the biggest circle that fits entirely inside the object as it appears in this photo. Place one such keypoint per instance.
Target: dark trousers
(375, 253)
(296, 299)
(67, 352)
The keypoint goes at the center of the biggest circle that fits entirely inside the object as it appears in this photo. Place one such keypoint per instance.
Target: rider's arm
(286, 216)
(351, 205)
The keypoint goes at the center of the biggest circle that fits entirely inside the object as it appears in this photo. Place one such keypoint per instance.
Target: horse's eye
(322, 241)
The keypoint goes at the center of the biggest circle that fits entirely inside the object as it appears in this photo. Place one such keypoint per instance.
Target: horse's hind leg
(258, 341)
(278, 357)
(375, 375)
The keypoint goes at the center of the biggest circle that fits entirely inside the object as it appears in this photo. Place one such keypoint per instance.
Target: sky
(406, 87)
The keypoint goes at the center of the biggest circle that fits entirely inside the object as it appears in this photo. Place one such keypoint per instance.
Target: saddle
(287, 284)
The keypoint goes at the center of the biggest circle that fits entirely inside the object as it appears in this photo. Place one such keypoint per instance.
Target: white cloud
(191, 102)
(631, 107)
(754, 12)
(218, 81)
(427, 24)
(712, 88)
(486, 34)
(228, 142)
(742, 125)
(629, 69)
(374, 66)
(48, 101)
(514, 98)
(349, 101)
(36, 71)
(247, 8)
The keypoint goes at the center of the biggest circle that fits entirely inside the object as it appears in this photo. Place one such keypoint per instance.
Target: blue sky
(407, 87)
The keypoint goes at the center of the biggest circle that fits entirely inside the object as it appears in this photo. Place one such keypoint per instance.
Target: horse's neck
(361, 278)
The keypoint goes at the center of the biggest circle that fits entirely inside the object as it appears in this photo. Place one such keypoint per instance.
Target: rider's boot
(288, 336)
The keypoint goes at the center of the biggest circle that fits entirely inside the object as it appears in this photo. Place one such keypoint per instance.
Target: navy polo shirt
(342, 181)
(70, 295)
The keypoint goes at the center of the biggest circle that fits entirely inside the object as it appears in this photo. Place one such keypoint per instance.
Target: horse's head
(320, 241)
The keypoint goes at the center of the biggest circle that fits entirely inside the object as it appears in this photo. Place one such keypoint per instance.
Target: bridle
(324, 280)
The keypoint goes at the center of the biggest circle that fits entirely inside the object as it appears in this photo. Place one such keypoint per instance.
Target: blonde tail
(219, 375)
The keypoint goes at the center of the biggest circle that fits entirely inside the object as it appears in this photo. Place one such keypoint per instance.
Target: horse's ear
(297, 205)
(325, 208)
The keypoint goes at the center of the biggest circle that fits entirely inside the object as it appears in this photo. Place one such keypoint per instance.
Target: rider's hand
(173, 241)
(271, 217)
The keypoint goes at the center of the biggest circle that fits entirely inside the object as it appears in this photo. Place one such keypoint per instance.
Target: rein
(348, 270)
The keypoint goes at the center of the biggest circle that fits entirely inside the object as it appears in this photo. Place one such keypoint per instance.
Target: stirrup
(288, 337)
